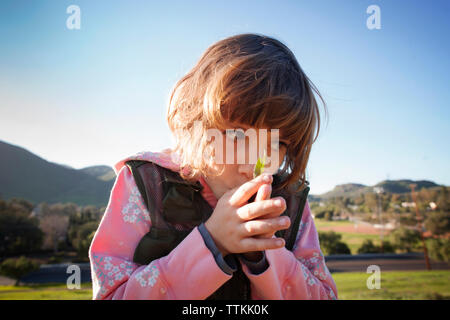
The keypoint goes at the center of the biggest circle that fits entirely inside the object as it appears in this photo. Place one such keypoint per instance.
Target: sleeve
(297, 274)
(178, 275)
(255, 267)
(227, 263)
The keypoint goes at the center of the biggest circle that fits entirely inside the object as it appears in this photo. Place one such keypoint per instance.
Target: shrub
(369, 247)
(18, 267)
(438, 223)
(439, 249)
(341, 248)
(83, 246)
(405, 239)
(54, 259)
(388, 247)
(330, 243)
(20, 234)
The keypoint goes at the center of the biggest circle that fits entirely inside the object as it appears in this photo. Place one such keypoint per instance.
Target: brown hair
(250, 79)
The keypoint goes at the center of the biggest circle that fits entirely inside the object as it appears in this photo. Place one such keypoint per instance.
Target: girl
(250, 82)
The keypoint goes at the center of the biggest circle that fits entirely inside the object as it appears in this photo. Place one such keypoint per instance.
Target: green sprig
(259, 166)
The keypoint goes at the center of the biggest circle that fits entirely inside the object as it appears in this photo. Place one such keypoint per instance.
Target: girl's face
(235, 174)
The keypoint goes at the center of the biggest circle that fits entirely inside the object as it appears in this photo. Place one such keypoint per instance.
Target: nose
(246, 170)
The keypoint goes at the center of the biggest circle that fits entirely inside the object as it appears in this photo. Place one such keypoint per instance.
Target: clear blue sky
(96, 95)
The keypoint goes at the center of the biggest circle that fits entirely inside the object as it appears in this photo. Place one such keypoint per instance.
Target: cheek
(230, 176)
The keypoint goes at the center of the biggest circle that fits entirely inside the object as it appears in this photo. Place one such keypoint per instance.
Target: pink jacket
(190, 271)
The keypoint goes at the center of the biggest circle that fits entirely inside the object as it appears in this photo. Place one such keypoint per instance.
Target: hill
(104, 173)
(25, 175)
(352, 190)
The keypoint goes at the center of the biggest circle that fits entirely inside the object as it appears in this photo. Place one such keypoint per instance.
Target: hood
(168, 159)
(165, 158)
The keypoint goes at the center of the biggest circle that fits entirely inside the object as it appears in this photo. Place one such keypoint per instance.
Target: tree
(438, 223)
(84, 244)
(443, 200)
(55, 229)
(370, 200)
(330, 243)
(405, 239)
(19, 233)
(88, 215)
(439, 249)
(83, 238)
(388, 247)
(369, 247)
(326, 212)
(16, 268)
(21, 204)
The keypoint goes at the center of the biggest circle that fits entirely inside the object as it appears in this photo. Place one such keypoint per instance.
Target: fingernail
(280, 242)
(278, 203)
(283, 222)
(267, 178)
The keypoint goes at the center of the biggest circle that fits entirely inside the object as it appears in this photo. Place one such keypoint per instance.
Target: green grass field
(325, 223)
(395, 285)
(46, 292)
(410, 285)
(354, 240)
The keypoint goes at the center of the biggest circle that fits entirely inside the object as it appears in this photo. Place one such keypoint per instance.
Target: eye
(240, 134)
(233, 134)
(277, 146)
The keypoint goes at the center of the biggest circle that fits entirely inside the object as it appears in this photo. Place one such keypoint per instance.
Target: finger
(241, 194)
(260, 227)
(271, 215)
(261, 208)
(252, 244)
(265, 235)
(264, 192)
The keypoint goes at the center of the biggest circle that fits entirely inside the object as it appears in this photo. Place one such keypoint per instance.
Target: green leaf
(259, 166)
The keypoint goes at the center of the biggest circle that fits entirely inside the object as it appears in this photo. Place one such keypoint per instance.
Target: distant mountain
(351, 190)
(402, 186)
(347, 189)
(25, 175)
(104, 173)
(64, 165)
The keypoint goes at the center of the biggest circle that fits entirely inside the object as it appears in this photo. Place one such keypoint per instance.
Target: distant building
(433, 205)
(388, 226)
(36, 212)
(408, 204)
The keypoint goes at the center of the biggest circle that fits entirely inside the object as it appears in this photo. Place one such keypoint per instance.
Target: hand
(264, 193)
(235, 224)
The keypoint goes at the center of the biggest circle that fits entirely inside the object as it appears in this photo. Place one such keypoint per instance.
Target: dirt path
(357, 228)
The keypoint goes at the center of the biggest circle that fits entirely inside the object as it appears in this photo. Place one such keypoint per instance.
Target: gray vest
(176, 207)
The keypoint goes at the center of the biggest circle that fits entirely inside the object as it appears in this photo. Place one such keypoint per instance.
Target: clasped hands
(237, 226)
